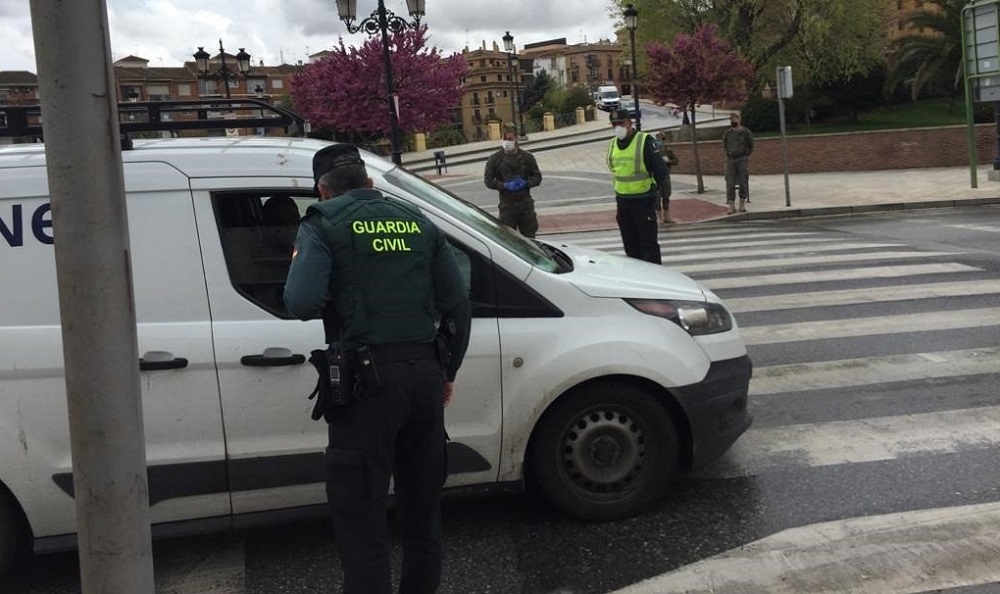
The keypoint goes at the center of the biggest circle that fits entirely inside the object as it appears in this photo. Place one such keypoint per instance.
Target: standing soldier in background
(639, 173)
(514, 172)
(383, 272)
(738, 144)
(670, 159)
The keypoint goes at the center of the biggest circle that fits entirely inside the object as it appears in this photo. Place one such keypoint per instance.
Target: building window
(482, 79)
(184, 90)
(475, 98)
(158, 92)
(492, 113)
(477, 116)
(277, 83)
(489, 98)
(611, 74)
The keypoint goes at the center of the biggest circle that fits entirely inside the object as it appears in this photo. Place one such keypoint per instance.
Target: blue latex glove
(515, 185)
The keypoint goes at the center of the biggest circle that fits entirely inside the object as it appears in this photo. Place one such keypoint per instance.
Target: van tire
(9, 533)
(604, 451)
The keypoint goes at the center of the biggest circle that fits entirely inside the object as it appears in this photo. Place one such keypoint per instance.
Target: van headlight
(696, 317)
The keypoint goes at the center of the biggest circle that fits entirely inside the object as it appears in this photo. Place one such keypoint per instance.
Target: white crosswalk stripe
(789, 284)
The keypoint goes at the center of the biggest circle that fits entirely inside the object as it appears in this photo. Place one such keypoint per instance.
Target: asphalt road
(876, 345)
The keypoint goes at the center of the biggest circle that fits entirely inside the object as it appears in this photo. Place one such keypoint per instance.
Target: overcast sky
(168, 32)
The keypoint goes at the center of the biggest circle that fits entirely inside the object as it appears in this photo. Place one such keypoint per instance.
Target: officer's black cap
(336, 155)
(619, 115)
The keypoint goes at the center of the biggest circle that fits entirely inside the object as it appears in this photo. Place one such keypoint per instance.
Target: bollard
(580, 116)
(439, 161)
(419, 142)
(548, 121)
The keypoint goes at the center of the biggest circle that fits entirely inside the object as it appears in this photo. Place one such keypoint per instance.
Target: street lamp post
(227, 75)
(631, 21)
(515, 111)
(381, 22)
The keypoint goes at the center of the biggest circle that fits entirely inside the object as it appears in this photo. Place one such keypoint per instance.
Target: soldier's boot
(666, 217)
(732, 208)
(743, 206)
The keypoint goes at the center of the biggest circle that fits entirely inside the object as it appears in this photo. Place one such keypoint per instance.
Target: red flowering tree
(346, 90)
(697, 69)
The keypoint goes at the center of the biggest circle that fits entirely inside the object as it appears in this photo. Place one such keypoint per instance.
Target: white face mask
(621, 132)
(508, 146)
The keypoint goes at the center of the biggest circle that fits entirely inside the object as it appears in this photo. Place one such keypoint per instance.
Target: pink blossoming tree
(346, 90)
(697, 69)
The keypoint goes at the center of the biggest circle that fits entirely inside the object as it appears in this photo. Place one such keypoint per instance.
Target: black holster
(335, 386)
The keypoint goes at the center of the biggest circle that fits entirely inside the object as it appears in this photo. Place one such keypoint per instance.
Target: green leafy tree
(821, 39)
(535, 92)
(697, 69)
(932, 52)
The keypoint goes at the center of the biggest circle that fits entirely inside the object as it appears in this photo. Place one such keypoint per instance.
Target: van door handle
(273, 357)
(175, 363)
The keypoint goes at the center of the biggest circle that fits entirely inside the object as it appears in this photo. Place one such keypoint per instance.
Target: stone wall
(855, 151)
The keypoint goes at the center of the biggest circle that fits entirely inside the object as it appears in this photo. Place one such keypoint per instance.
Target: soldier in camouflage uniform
(738, 144)
(514, 172)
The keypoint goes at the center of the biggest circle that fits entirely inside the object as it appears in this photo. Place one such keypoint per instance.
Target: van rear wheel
(604, 451)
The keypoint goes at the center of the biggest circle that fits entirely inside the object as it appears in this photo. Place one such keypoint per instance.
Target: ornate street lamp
(228, 76)
(515, 112)
(381, 22)
(632, 21)
(133, 95)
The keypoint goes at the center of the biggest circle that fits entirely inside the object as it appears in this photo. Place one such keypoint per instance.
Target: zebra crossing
(867, 354)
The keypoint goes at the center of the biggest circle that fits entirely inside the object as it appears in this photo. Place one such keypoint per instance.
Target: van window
(473, 217)
(258, 235)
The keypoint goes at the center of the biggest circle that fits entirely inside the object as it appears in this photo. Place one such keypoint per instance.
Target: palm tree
(932, 51)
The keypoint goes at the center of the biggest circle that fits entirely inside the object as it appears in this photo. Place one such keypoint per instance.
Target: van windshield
(473, 217)
(609, 94)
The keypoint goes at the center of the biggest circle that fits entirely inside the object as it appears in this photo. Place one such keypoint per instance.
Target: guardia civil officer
(386, 272)
(639, 178)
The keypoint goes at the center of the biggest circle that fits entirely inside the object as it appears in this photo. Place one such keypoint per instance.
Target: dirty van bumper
(716, 408)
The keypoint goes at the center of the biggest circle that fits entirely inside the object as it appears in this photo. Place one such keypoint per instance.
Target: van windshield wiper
(565, 262)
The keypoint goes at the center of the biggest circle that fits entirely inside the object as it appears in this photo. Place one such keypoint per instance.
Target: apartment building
(583, 64)
(492, 85)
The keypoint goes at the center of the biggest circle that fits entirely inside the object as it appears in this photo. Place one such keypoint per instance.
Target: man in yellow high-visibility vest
(639, 176)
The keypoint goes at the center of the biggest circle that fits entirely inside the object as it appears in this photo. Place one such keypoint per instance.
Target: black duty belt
(392, 353)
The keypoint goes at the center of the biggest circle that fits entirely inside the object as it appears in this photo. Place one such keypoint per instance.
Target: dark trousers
(637, 223)
(665, 191)
(737, 174)
(520, 215)
(396, 432)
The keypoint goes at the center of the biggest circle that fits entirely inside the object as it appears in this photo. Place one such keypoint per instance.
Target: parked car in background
(628, 104)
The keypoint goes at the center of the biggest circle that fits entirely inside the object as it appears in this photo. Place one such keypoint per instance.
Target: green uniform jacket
(501, 168)
(386, 269)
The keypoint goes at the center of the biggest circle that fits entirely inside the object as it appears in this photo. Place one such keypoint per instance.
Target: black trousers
(637, 223)
(398, 432)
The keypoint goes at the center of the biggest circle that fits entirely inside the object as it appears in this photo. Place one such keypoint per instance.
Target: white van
(591, 376)
(608, 97)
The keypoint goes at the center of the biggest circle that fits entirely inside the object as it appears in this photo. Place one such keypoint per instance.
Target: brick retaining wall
(854, 151)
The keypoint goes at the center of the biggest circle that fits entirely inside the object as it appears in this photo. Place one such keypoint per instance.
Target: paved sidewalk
(584, 149)
(811, 194)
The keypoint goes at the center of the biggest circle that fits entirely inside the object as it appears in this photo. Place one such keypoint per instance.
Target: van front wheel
(604, 451)
(9, 530)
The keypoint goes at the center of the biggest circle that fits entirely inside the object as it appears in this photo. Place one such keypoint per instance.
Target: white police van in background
(591, 377)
